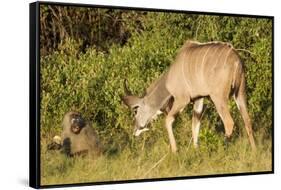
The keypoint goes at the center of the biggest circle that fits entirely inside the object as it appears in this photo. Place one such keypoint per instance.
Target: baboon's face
(76, 122)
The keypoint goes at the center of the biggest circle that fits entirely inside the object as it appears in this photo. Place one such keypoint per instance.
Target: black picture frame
(34, 94)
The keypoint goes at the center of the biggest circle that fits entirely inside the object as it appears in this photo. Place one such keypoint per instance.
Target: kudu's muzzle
(137, 132)
(139, 129)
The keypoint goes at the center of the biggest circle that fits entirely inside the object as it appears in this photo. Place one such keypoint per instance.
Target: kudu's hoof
(174, 151)
(227, 141)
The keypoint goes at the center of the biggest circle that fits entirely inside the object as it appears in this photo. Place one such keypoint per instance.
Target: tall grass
(156, 162)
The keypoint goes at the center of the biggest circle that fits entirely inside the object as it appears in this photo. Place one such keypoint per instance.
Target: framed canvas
(122, 94)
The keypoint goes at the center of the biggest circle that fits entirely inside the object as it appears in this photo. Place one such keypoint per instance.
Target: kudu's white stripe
(203, 60)
(220, 53)
(183, 75)
(227, 56)
(234, 74)
(202, 64)
(197, 57)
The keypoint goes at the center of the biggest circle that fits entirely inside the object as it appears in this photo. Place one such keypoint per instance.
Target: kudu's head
(143, 111)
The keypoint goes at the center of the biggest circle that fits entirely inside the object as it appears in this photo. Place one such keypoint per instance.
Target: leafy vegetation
(87, 53)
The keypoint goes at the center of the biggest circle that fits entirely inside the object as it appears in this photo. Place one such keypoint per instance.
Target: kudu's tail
(238, 76)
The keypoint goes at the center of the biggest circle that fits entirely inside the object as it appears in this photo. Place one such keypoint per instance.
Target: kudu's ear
(131, 101)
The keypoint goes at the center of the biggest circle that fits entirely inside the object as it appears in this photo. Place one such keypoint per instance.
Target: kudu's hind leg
(223, 110)
(196, 117)
(178, 105)
(240, 99)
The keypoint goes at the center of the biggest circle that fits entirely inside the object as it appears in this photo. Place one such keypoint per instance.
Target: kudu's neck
(157, 94)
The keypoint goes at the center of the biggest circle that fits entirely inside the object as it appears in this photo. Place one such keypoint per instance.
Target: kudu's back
(201, 69)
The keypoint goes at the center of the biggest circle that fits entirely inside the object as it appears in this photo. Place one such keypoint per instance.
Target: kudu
(211, 69)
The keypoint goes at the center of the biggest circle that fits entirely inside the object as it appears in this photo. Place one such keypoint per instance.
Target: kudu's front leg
(169, 126)
(178, 105)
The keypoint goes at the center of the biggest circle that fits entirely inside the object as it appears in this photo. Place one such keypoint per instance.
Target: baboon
(77, 138)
